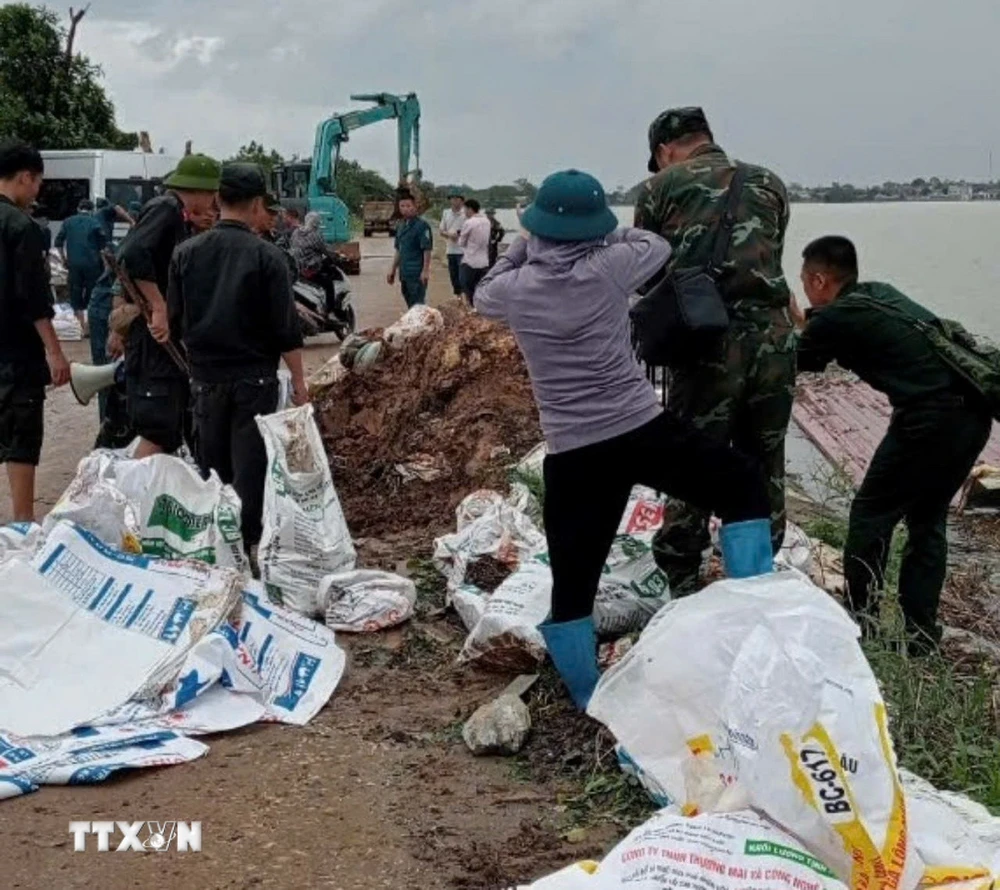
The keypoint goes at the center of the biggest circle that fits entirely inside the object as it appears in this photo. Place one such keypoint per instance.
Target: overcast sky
(849, 90)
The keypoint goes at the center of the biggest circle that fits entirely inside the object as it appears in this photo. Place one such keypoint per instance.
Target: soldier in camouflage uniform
(742, 392)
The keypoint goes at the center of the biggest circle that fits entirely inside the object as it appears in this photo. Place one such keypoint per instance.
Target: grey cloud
(853, 90)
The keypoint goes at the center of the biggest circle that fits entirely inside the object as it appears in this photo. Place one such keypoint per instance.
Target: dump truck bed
(378, 216)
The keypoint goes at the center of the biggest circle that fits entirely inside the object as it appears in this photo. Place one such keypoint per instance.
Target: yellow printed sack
(754, 694)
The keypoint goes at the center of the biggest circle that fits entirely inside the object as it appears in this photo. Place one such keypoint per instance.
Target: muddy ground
(379, 791)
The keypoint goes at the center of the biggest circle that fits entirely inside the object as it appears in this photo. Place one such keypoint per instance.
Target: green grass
(944, 718)
(609, 795)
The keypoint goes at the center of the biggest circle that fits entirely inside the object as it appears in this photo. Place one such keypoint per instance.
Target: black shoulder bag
(683, 315)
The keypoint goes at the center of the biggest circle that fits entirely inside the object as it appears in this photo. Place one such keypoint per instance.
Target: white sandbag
(20, 539)
(796, 550)
(88, 756)
(178, 514)
(67, 325)
(332, 371)
(957, 839)
(97, 504)
(286, 663)
(305, 534)
(731, 851)
(87, 628)
(506, 636)
(366, 600)
(487, 526)
(632, 588)
(503, 625)
(755, 693)
(268, 664)
(417, 321)
(183, 516)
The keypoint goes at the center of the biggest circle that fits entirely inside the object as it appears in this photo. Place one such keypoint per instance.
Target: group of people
(719, 445)
(473, 243)
(205, 318)
(213, 286)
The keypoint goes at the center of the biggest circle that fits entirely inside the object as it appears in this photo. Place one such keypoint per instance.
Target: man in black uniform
(497, 233)
(30, 354)
(231, 303)
(157, 389)
(939, 426)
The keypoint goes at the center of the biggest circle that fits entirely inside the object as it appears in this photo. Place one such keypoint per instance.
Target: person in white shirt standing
(451, 225)
(474, 240)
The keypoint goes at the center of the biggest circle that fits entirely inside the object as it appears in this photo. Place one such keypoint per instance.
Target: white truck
(122, 177)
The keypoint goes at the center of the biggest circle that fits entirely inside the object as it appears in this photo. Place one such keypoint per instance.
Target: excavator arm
(319, 194)
(334, 131)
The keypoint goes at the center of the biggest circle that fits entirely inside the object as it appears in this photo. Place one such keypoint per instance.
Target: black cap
(242, 182)
(672, 124)
(271, 203)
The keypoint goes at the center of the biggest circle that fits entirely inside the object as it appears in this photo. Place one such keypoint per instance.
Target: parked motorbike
(323, 300)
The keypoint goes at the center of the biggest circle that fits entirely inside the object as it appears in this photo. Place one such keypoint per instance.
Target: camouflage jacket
(683, 204)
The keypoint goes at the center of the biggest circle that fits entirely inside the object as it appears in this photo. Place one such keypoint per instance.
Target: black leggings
(586, 491)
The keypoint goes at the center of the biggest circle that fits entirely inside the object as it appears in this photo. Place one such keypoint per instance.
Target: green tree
(255, 153)
(355, 185)
(50, 97)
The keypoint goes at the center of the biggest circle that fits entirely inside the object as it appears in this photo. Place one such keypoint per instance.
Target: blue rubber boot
(572, 646)
(746, 548)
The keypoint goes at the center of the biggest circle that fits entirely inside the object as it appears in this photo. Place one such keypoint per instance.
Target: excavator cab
(290, 182)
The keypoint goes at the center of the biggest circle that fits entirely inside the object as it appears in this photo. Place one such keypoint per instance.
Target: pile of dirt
(441, 417)
(487, 573)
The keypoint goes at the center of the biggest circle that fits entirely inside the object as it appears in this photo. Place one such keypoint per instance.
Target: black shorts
(158, 410)
(22, 422)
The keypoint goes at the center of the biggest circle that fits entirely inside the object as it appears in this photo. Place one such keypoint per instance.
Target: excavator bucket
(423, 202)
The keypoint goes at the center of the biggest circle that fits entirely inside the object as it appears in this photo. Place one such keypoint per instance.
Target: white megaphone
(87, 381)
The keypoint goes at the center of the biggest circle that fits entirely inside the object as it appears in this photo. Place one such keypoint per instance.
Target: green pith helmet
(196, 173)
(570, 206)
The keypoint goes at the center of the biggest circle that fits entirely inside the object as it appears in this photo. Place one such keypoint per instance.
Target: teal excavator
(312, 185)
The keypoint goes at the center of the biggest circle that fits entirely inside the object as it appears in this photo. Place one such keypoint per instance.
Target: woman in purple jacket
(565, 294)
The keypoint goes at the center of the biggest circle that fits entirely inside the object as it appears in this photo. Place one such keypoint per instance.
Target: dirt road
(379, 791)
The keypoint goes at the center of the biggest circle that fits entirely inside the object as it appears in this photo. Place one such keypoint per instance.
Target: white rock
(499, 727)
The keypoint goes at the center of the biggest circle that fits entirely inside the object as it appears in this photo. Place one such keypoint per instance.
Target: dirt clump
(461, 395)
(487, 573)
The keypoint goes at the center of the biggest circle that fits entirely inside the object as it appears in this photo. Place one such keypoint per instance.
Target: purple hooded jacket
(567, 304)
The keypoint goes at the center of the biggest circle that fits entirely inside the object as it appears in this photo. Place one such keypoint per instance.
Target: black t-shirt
(145, 254)
(231, 303)
(25, 297)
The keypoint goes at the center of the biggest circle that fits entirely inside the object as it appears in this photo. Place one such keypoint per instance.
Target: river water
(944, 255)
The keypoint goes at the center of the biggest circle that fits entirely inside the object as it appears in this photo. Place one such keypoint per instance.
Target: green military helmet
(570, 206)
(196, 173)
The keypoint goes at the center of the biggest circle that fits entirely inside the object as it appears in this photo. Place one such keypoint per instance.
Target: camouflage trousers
(739, 395)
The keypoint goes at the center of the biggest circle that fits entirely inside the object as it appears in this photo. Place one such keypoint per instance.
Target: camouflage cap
(672, 124)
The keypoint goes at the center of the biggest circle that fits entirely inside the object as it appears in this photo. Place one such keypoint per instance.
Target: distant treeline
(508, 196)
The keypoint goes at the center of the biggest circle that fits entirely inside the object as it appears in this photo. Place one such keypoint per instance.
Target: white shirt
(451, 224)
(475, 240)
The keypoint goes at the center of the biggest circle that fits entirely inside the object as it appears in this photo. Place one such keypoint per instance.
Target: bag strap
(725, 233)
(930, 332)
(918, 324)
